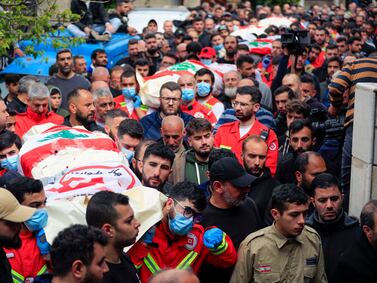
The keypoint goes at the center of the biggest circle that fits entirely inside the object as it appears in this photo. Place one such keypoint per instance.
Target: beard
(230, 92)
(11, 243)
(232, 201)
(243, 117)
(152, 50)
(91, 278)
(231, 53)
(84, 120)
(203, 153)
(65, 70)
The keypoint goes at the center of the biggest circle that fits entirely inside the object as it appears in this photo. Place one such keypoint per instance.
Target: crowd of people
(257, 175)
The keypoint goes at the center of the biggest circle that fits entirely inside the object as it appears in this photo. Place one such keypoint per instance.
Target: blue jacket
(152, 124)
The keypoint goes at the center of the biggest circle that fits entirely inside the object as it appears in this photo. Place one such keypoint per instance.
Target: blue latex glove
(213, 238)
(266, 62)
(137, 101)
(148, 236)
(42, 243)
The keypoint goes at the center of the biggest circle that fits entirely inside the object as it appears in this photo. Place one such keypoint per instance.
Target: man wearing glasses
(232, 135)
(170, 104)
(178, 241)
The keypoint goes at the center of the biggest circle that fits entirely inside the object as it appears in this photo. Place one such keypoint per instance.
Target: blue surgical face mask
(218, 47)
(129, 154)
(203, 89)
(37, 221)
(180, 225)
(188, 94)
(206, 62)
(129, 92)
(10, 163)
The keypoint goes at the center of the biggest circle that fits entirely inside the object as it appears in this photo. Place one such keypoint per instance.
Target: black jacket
(336, 238)
(96, 14)
(359, 263)
(5, 269)
(261, 192)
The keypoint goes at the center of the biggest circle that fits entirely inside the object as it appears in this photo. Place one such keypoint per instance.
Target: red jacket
(27, 261)
(120, 103)
(228, 136)
(24, 121)
(166, 251)
(199, 111)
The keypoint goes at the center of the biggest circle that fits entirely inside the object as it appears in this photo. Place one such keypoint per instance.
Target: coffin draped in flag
(261, 46)
(74, 161)
(150, 86)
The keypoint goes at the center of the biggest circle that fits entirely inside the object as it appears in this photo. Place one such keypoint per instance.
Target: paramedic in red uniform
(231, 135)
(178, 242)
(37, 110)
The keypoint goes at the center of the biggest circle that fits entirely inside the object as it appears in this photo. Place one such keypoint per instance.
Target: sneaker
(98, 37)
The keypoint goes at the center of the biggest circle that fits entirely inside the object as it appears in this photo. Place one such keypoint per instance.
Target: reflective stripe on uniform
(209, 106)
(222, 247)
(43, 270)
(17, 277)
(184, 264)
(225, 147)
(151, 264)
(188, 260)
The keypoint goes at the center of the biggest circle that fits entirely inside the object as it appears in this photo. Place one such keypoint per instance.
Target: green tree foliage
(34, 20)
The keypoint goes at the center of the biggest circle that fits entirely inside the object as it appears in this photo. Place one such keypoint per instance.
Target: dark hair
(101, 209)
(77, 57)
(133, 41)
(188, 190)
(24, 185)
(11, 78)
(282, 89)
(253, 91)
(63, 50)
(171, 55)
(335, 59)
(74, 243)
(159, 150)
(217, 154)
(74, 94)
(315, 46)
(297, 106)
(285, 194)
(132, 128)
(114, 113)
(341, 39)
(128, 74)
(302, 161)
(143, 143)
(193, 47)
(8, 138)
(306, 78)
(141, 62)
(96, 52)
(204, 71)
(53, 69)
(172, 86)
(331, 46)
(299, 124)
(353, 38)
(149, 35)
(244, 59)
(198, 125)
(324, 181)
(213, 35)
(367, 214)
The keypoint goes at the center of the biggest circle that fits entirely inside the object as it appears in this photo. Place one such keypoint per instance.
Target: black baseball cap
(228, 169)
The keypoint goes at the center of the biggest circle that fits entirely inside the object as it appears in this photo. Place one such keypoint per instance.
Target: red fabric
(2, 171)
(26, 260)
(168, 252)
(228, 136)
(211, 102)
(24, 121)
(199, 111)
(120, 103)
